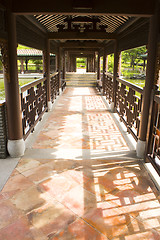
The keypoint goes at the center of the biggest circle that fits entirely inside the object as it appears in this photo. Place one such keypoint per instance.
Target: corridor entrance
(81, 65)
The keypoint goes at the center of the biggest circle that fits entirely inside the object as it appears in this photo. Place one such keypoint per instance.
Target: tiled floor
(78, 181)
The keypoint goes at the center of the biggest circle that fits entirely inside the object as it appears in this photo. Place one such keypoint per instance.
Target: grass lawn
(21, 83)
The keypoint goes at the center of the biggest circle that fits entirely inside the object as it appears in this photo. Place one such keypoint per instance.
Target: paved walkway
(79, 180)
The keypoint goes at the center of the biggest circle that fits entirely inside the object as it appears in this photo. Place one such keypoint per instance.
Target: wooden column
(16, 146)
(87, 65)
(59, 68)
(22, 67)
(104, 72)
(64, 66)
(46, 70)
(26, 62)
(106, 63)
(94, 62)
(149, 83)
(98, 67)
(115, 73)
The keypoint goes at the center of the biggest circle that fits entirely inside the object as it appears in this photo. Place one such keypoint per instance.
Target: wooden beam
(121, 7)
(77, 44)
(81, 36)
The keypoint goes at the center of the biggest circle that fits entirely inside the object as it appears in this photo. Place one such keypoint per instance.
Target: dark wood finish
(128, 105)
(81, 36)
(108, 87)
(54, 83)
(34, 104)
(9, 59)
(128, 102)
(121, 7)
(46, 66)
(150, 74)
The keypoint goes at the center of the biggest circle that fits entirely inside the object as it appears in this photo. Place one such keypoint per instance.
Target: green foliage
(110, 63)
(23, 47)
(133, 56)
(81, 60)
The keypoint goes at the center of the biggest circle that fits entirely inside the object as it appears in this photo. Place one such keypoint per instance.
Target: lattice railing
(108, 87)
(128, 102)
(128, 105)
(33, 104)
(54, 83)
(34, 101)
(153, 148)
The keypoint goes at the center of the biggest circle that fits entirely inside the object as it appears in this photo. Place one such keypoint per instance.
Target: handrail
(36, 82)
(32, 84)
(53, 74)
(128, 84)
(157, 99)
(131, 85)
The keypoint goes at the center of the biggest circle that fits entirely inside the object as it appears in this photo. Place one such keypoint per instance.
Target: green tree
(38, 63)
(133, 55)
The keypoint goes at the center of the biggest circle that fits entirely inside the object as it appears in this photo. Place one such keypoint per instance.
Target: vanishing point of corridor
(79, 180)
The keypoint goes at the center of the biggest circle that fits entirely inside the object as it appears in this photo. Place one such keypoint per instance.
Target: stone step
(86, 80)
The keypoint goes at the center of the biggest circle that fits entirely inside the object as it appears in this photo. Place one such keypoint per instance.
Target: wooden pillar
(106, 63)
(26, 62)
(16, 145)
(64, 66)
(149, 83)
(115, 73)
(59, 68)
(56, 62)
(104, 72)
(87, 65)
(99, 67)
(94, 62)
(22, 67)
(46, 70)
(74, 64)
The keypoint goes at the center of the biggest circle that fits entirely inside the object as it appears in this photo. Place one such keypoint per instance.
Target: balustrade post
(149, 83)
(15, 145)
(87, 70)
(115, 74)
(22, 67)
(46, 70)
(99, 67)
(106, 63)
(94, 62)
(104, 72)
(64, 66)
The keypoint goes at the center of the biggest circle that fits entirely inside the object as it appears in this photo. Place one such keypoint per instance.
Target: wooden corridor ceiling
(124, 20)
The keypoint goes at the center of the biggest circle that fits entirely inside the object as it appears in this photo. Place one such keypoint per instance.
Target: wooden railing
(153, 141)
(128, 102)
(34, 101)
(54, 83)
(33, 104)
(108, 87)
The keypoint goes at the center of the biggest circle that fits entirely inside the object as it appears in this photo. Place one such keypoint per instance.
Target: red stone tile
(16, 184)
(79, 200)
(79, 230)
(51, 218)
(28, 199)
(140, 230)
(19, 230)
(39, 173)
(58, 186)
(108, 220)
(8, 213)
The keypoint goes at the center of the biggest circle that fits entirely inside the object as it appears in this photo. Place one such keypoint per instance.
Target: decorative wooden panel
(128, 104)
(33, 102)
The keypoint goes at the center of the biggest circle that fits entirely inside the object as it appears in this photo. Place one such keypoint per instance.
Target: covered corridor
(79, 179)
